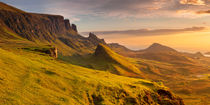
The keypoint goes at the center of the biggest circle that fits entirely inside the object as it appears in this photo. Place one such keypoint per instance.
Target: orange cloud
(148, 32)
(193, 2)
(203, 12)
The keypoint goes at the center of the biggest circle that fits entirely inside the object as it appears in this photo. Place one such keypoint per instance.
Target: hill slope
(182, 72)
(27, 73)
(157, 52)
(28, 76)
(156, 47)
(120, 64)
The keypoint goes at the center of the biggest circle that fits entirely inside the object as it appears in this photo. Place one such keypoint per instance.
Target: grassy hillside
(28, 76)
(155, 52)
(190, 81)
(186, 74)
(104, 54)
(4, 6)
(106, 60)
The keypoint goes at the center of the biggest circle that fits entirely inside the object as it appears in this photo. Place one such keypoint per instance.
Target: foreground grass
(190, 82)
(28, 78)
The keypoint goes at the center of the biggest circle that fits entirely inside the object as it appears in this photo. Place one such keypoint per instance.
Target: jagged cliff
(93, 38)
(35, 26)
(45, 28)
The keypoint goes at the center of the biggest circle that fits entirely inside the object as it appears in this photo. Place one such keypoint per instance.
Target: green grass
(191, 82)
(180, 78)
(107, 61)
(30, 78)
(119, 59)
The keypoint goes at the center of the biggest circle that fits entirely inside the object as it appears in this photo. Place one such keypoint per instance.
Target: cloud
(193, 2)
(126, 8)
(116, 8)
(203, 12)
(148, 32)
(104, 8)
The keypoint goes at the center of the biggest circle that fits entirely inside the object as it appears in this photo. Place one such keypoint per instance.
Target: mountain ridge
(156, 52)
(44, 29)
(28, 72)
(156, 47)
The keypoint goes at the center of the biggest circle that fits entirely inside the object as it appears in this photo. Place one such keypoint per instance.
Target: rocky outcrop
(74, 27)
(34, 26)
(49, 50)
(95, 40)
(101, 51)
(82, 44)
(53, 52)
(45, 28)
(67, 24)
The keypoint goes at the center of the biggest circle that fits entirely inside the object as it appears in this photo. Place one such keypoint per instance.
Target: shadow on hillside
(86, 61)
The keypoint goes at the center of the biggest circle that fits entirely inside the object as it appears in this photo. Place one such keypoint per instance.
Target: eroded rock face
(67, 24)
(74, 27)
(52, 51)
(33, 26)
(95, 40)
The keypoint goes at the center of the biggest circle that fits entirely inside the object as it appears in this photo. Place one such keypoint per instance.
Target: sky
(181, 24)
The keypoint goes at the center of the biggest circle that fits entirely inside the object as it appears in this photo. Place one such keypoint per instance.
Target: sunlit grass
(26, 77)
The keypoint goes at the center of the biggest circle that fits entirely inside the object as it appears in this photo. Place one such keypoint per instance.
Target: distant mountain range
(157, 52)
(207, 53)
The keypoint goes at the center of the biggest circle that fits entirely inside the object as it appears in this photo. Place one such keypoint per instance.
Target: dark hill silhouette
(156, 47)
(156, 52)
(207, 53)
(196, 55)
